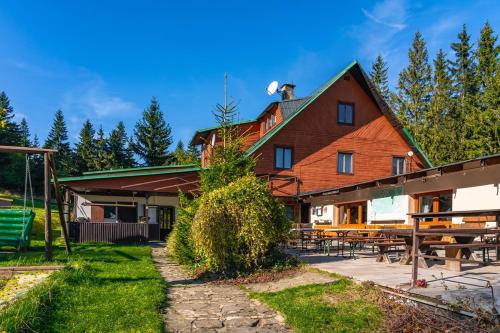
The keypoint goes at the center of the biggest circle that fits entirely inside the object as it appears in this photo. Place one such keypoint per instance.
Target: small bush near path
(107, 288)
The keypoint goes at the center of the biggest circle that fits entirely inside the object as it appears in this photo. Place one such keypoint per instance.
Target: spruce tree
(465, 85)
(102, 160)
(440, 138)
(25, 134)
(488, 63)
(378, 76)
(152, 136)
(414, 89)
(58, 139)
(85, 148)
(9, 130)
(118, 147)
(487, 56)
(129, 153)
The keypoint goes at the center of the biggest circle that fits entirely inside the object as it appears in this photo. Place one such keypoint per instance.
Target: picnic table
(460, 252)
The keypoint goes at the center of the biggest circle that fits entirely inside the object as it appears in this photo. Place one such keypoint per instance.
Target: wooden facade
(315, 137)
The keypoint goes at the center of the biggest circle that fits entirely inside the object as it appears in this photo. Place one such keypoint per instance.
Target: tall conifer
(25, 134)
(85, 148)
(378, 76)
(152, 136)
(414, 88)
(58, 139)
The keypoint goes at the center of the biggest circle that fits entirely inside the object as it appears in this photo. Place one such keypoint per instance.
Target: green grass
(335, 307)
(107, 288)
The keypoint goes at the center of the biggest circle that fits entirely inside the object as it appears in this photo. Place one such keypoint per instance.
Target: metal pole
(498, 238)
(414, 252)
(48, 217)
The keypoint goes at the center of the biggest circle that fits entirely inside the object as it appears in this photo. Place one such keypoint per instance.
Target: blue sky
(103, 60)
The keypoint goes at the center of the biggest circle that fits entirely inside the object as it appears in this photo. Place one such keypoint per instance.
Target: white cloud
(92, 99)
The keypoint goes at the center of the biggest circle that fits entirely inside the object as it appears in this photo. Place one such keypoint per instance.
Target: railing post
(414, 252)
(498, 238)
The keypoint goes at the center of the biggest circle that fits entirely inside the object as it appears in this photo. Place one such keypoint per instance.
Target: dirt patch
(403, 315)
(300, 278)
(18, 285)
(263, 276)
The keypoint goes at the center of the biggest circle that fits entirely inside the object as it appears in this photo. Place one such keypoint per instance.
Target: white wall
(157, 200)
(328, 214)
(475, 198)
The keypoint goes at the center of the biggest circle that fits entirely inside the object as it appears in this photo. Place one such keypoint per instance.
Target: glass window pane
(288, 159)
(354, 215)
(340, 163)
(401, 165)
(341, 117)
(348, 163)
(365, 214)
(279, 158)
(343, 215)
(394, 166)
(289, 212)
(445, 202)
(348, 114)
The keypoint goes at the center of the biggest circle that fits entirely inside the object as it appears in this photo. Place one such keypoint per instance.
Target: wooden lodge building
(344, 133)
(341, 139)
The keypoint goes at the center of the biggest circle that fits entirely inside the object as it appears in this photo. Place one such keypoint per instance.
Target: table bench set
(412, 245)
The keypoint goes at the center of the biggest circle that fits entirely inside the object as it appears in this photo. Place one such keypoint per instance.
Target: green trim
(126, 174)
(311, 99)
(415, 144)
(139, 169)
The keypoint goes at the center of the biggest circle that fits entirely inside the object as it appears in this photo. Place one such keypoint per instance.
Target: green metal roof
(180, 166)
(415, 144)
(128, 174)
(311, 99)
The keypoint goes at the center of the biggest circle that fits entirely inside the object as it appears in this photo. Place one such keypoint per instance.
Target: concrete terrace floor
(443, 284)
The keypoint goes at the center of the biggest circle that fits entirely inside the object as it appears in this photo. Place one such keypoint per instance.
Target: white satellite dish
(213, 141)
(272, 87)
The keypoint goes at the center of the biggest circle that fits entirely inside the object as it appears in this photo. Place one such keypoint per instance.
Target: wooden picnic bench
(463, 236)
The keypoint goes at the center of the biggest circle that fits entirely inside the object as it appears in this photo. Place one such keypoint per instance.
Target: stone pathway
(194, 306)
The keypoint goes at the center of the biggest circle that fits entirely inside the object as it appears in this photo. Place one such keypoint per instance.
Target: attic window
(345, 113)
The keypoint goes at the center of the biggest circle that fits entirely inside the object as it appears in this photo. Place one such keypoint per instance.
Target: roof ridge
(309, 100)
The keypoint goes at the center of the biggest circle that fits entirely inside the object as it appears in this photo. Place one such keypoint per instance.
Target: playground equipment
(19, 225)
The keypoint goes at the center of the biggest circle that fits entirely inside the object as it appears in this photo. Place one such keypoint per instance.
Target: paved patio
(468, 285)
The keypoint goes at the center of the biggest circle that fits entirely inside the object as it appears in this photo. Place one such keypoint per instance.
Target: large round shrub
(237, 225)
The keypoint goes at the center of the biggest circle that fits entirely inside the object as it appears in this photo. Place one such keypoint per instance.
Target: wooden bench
(455, 253)
(384, 248)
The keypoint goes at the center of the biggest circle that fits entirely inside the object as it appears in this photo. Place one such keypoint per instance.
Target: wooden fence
(110, 232)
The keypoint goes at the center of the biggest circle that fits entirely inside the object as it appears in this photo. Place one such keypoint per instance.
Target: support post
(48, 217)
(67, 203)
(59, 200)
(414, 252)
(498, 239)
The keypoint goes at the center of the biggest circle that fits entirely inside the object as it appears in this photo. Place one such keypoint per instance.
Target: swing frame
(49, 168)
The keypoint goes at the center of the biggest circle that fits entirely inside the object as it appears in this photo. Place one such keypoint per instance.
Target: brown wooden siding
(317, 138)
(109, 232)
(97, 213)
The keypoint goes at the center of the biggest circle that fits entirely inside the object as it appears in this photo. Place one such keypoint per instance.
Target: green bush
(180, 242)
(238, 225)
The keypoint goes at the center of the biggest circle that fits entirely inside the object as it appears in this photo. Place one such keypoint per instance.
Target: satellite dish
(410, 153)
(213, 141)
(272, 87)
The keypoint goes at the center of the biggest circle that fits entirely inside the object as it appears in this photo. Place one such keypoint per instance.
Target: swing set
(16, 224)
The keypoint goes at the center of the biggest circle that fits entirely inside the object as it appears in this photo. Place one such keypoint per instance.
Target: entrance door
(305, 212)
(166, 219)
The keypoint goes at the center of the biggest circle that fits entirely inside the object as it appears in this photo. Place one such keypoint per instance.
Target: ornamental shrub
(238, 225)
(180, 242)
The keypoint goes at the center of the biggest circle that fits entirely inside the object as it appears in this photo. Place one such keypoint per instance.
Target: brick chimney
(287, 92)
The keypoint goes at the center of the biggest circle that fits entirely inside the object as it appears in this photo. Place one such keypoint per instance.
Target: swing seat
(14, 229)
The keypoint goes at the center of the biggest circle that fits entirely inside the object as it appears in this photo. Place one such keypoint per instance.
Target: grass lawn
(334, 307)
(108, 288)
